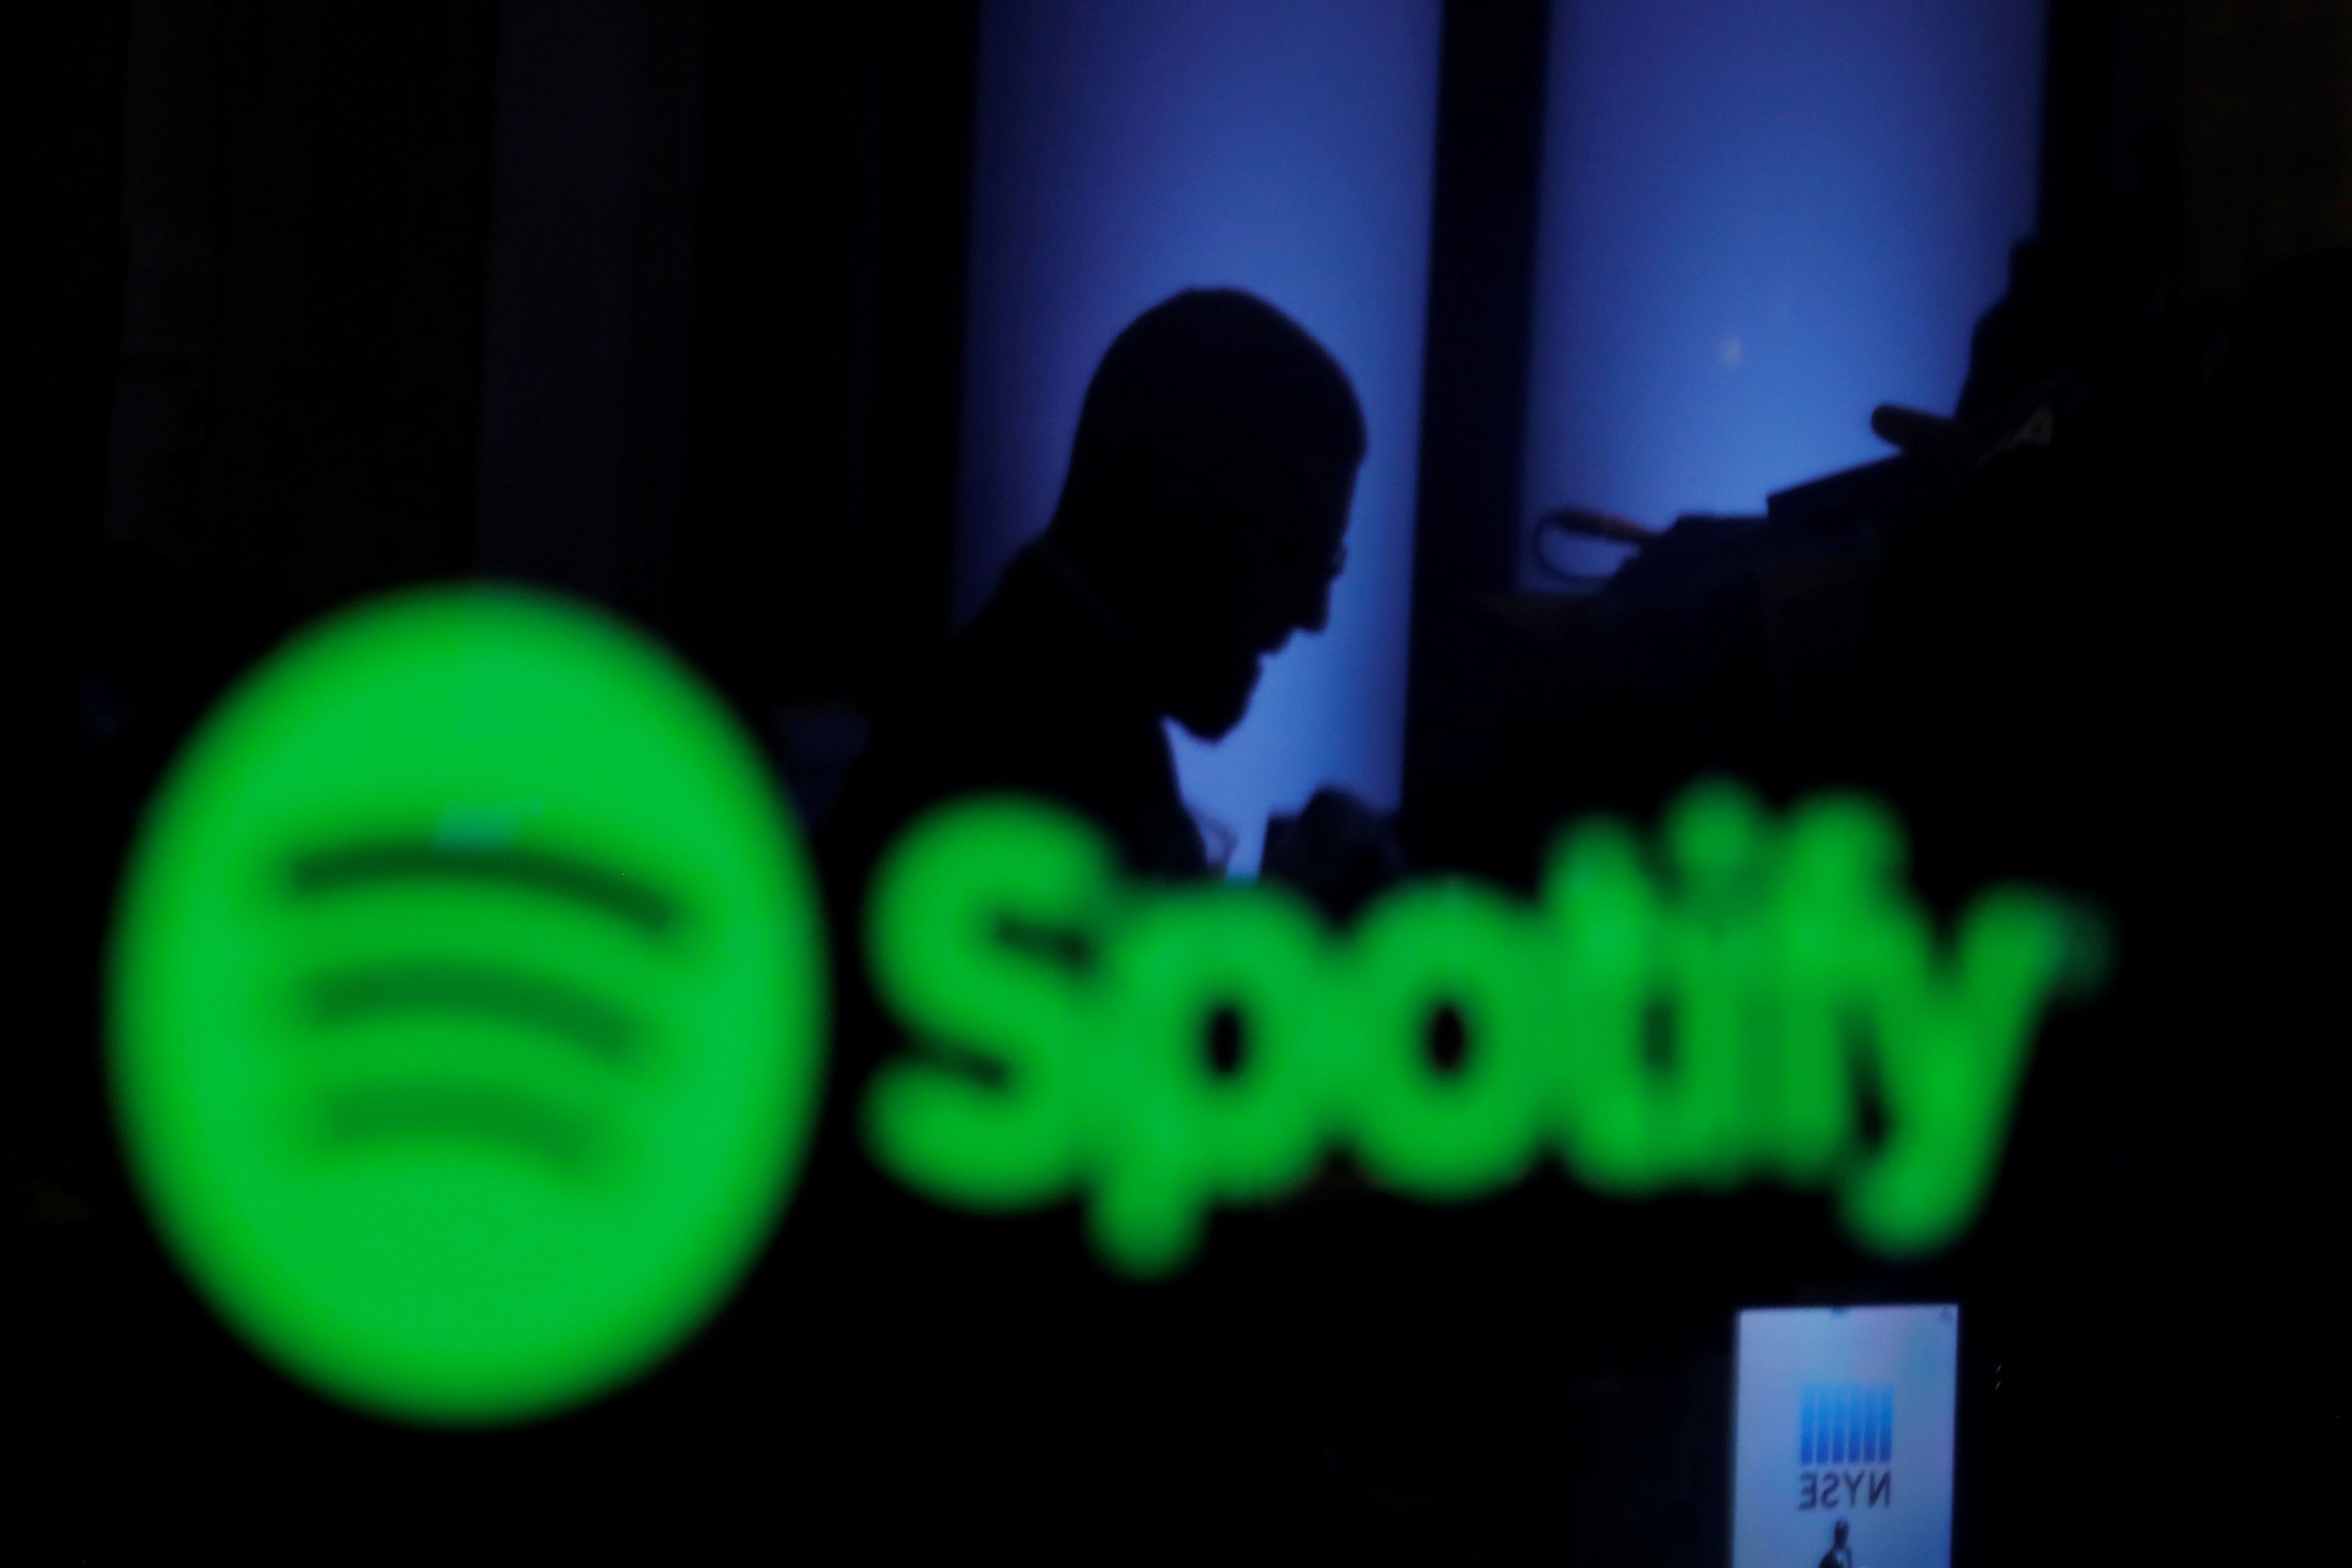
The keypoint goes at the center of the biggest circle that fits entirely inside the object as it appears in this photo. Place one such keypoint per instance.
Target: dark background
(661, 304)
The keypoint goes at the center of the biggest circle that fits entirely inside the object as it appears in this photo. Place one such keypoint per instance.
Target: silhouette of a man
(1199, 527)
(1839, 1555)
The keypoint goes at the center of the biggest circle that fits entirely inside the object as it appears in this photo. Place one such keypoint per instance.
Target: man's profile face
(1222, 545)
(1276, 556)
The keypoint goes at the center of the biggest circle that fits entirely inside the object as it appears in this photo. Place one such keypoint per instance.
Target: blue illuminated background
(1124, 151)
(1760, 218)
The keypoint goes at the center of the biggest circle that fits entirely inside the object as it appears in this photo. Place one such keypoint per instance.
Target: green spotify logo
(1702, 1012)
(468, 1006)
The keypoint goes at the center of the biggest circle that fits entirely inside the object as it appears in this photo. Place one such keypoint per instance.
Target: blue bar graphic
(1845, 1423)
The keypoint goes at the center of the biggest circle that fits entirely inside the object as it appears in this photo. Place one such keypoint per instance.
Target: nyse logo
(1845, 1440)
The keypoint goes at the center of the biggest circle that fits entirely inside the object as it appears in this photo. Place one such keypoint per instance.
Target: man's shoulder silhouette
(1034, 697)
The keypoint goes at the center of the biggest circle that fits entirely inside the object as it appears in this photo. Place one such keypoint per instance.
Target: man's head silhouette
(1208, 494)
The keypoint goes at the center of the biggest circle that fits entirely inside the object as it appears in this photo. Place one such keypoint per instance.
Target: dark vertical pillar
(162, 382)
(1474, 361)
(66, 225)
(65, 332)
(352, 163)
(787, 290)
(911, 531)
(2078, 112)
(828, 332)
(590, 288)
(65, 240)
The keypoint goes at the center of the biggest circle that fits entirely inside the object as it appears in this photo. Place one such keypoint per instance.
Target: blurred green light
(466, 1005)
(1706, 1016)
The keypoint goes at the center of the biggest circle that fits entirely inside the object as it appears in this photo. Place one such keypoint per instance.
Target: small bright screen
(1844, 1424)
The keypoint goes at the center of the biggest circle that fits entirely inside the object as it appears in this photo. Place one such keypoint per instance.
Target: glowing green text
(1704, 1016)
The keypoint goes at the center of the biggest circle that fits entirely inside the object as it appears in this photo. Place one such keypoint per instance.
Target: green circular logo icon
(468, 1006)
